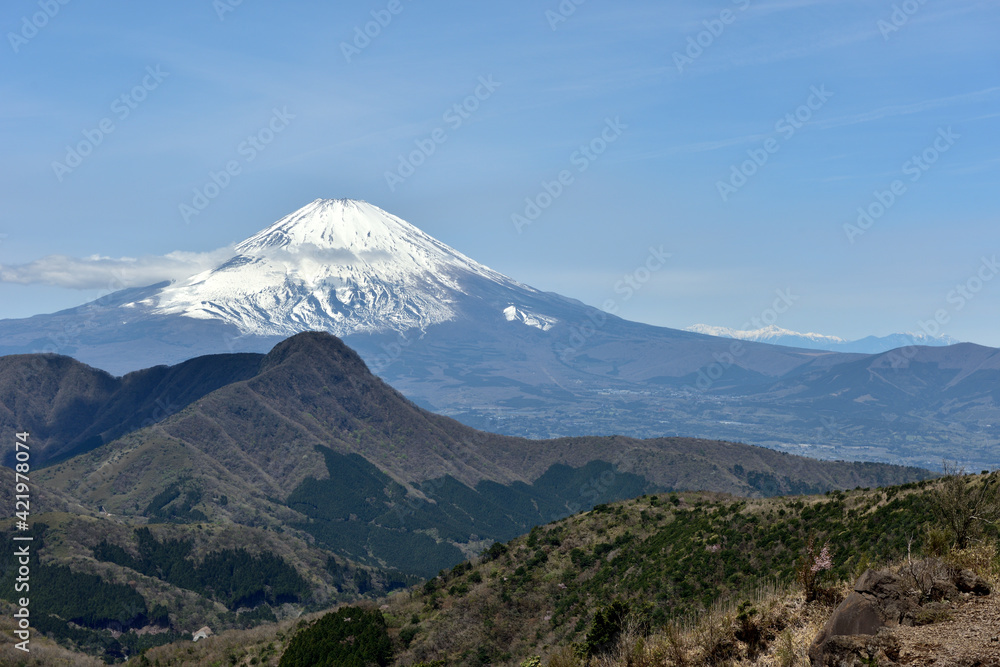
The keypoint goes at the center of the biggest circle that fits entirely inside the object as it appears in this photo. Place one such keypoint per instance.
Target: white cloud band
(110, 273)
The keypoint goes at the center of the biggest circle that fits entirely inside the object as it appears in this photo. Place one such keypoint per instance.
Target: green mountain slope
(664, 556)
(316, 443)
(651, 564)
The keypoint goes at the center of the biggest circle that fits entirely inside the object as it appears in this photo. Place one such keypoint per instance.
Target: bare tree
(966, 504)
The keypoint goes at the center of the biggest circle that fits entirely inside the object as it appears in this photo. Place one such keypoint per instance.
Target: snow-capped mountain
(338, 265)
(814, 341)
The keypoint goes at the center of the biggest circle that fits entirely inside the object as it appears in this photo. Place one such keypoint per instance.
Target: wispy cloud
(905, 109)
(840, 121)
(110, 273)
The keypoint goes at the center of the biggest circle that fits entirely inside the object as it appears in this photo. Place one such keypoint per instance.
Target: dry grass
(981, 558)
(786, 622)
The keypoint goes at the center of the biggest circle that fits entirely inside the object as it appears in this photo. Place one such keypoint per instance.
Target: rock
(970, 582)
(856, 615)
(857, 650)
(895, 599)
(879, 583)
(883, 599)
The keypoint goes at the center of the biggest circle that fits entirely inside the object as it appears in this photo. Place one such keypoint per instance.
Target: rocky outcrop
(860, 629)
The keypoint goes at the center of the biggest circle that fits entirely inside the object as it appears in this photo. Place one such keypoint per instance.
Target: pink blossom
(824, 561)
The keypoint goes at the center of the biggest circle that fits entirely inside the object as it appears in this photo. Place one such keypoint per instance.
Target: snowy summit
(340, 265)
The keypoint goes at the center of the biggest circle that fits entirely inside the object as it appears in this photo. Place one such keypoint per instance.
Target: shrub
(496, 550)
(936, 542)
(749, 629)
(716, 641)
(565, 657)
(349, 637)
(965, 506)
(785, 652)
(810, 569)
(981, 559)
(608, 624)
(407, 634)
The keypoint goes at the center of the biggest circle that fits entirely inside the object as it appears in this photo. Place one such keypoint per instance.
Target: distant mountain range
(232, 488)
(463, 340)
(305, 437)
(814, 341)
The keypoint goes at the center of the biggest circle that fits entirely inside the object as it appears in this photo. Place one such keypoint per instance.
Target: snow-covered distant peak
(814, 341)
(764, 335)
(921, 338)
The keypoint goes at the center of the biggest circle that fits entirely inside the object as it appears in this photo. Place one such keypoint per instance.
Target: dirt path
(970, 638)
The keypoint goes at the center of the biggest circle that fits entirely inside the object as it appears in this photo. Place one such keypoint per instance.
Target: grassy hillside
(709, 578)
(663, 556)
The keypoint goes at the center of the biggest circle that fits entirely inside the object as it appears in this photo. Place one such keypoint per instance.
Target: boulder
(970, 582)
(894, 598)
(856, 615)
(882, 599)
(881, 648)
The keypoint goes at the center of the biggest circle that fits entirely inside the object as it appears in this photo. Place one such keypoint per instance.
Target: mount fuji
(341, 266)
(337, 265)
(466, 341)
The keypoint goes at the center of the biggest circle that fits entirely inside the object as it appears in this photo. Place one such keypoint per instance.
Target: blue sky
(740, 136)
